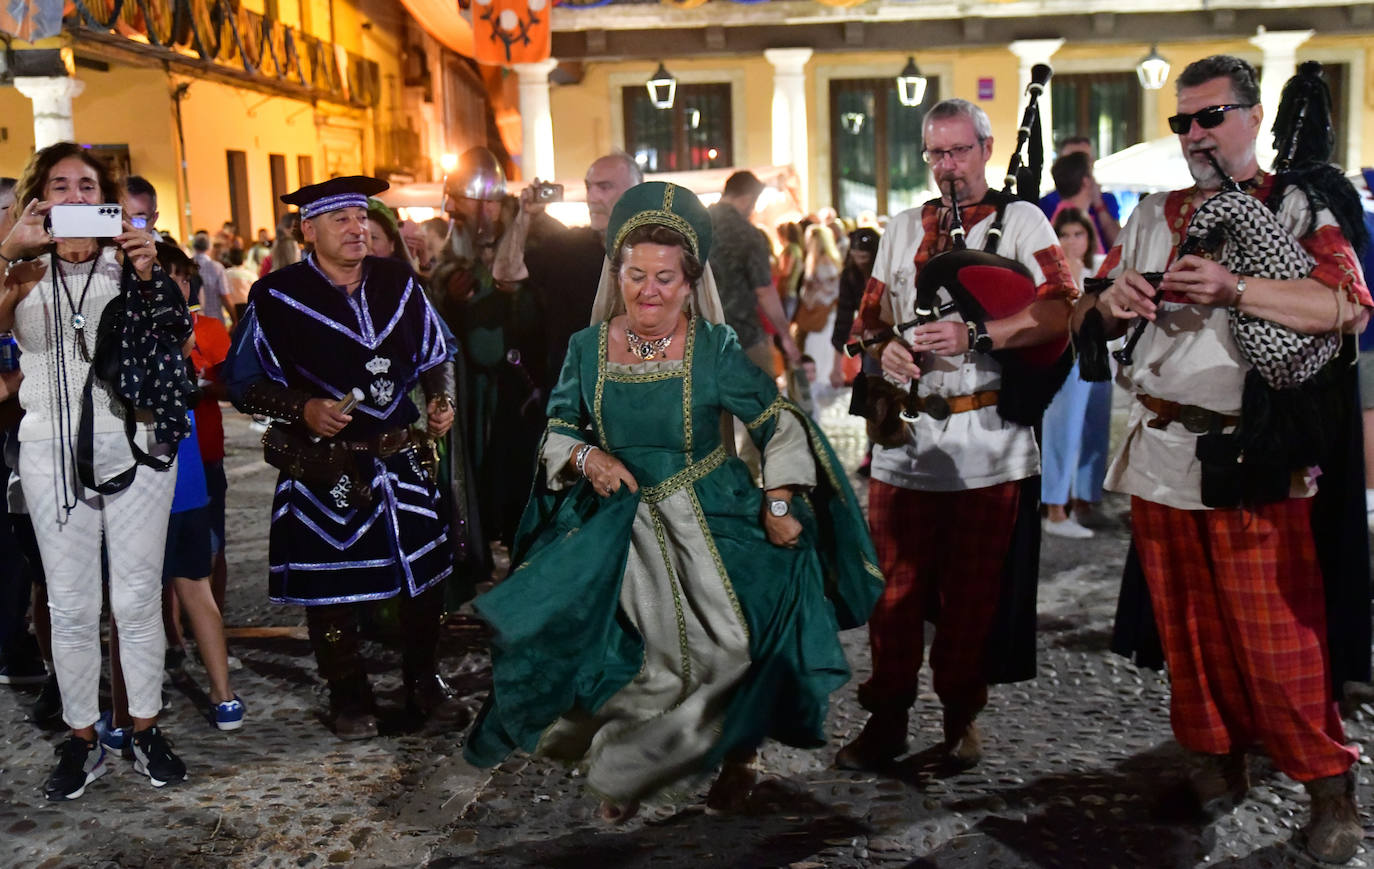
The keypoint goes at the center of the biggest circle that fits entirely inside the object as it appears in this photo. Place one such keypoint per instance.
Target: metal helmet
(478, 176)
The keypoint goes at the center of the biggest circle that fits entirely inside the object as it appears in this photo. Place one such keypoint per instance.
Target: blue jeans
(1074, 441)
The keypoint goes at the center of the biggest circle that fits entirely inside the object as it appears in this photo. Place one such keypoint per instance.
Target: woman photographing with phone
(54, 294)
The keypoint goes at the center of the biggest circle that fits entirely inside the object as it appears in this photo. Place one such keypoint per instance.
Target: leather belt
(940, 407)
(387, 443)
(1198, 420)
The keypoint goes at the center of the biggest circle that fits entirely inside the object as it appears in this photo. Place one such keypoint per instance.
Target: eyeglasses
(935, 155)
(1207, 118)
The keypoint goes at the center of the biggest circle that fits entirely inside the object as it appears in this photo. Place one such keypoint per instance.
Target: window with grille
(696, 133)
(875, 147)
(1103, 106)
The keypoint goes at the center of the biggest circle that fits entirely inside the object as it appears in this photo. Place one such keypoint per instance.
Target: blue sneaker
(229, 714)
(116, 739)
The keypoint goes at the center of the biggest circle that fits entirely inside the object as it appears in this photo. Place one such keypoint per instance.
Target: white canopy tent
(1145, 168)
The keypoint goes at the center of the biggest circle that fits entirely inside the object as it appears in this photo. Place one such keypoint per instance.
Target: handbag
(111, 348)
(811, 319)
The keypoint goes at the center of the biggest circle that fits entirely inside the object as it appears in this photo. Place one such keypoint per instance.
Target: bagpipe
(1291, 406)
(981, 285)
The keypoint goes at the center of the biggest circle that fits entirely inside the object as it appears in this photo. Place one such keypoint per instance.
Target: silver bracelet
(581, 461)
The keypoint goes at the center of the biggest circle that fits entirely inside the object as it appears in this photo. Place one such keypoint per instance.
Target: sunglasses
(1207, 118)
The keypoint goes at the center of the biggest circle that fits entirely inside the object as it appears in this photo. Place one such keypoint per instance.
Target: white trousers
(133, 524)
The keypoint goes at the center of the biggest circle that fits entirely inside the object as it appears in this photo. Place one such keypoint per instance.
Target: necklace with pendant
(647, 348)
(78, 319)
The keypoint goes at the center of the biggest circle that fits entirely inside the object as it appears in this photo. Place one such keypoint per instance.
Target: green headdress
(661, 203)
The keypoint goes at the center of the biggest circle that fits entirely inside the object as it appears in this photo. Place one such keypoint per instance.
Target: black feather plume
(1304, 141)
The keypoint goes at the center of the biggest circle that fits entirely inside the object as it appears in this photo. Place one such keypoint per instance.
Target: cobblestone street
(1074, 760)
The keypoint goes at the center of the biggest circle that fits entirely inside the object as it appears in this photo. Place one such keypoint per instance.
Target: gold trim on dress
(687, 353)
(720, 564)
(643, 376)
(768, 412)
(600, 384)
(557, 422)
(684, 646)
(688, 475)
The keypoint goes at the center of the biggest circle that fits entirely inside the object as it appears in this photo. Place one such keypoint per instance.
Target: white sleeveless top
(54, 370)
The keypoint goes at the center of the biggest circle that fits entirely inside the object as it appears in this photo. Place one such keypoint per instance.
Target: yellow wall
(218, 118)
(17, 146)
(104, 114)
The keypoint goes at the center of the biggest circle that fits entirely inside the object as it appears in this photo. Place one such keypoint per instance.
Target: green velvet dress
(646, 635)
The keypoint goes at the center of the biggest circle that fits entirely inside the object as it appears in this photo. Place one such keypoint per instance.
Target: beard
(1204, 173)
(474, 241)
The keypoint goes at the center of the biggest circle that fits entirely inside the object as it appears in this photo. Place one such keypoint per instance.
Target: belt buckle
(1197, 420)
(935, 407)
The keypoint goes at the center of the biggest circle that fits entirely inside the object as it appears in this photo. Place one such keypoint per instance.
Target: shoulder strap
(1001, 200)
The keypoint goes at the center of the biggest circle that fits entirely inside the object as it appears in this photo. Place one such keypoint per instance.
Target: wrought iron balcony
(235, 41)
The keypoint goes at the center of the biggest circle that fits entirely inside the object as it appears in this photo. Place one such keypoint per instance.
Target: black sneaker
(22, 670)
(153, 757)
(47, 709)
(80, 763)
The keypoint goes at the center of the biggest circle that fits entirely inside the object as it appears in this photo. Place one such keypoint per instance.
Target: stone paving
(1074, 759)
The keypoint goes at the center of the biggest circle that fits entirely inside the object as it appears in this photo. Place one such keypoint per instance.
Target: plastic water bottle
(9, 353)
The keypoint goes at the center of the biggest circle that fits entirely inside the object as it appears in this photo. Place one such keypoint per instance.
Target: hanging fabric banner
(507, 32)
(31, 20)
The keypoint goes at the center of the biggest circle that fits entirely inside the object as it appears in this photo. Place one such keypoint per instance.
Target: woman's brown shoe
(881, 741)
(732, 787)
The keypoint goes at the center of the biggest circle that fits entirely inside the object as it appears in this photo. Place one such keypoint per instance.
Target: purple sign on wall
(985, 89)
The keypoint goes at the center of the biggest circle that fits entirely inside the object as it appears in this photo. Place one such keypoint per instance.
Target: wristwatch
(979, 339)
(779, 507)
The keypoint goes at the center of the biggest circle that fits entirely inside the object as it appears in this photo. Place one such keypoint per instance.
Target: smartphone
(86, 221)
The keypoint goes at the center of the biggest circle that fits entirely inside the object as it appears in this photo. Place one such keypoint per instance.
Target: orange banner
(507, 32)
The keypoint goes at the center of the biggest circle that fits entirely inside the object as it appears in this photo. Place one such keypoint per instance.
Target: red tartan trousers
(1238, 599)
(942, 555)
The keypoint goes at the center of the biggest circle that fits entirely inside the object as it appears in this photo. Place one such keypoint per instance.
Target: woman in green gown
(666, 614)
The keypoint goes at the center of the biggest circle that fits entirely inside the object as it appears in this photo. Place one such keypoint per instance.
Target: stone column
(1280, 62)
(52, 97)
(536, 122)
(1030, 52)
(790, 139)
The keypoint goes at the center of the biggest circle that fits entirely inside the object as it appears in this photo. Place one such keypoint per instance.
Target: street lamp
(662, 88)
(1152, 70)
(911, 85)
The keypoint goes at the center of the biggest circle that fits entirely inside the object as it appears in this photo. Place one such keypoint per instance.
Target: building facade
(224, 107)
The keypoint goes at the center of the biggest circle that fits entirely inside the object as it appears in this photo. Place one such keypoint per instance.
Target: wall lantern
(911, 85)
(662, 88)
(1152, 70)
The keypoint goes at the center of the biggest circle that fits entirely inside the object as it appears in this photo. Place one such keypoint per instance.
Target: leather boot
(1217, 784)
(334, 637)
(963, 740)
(1334, 832)
(881, 741)
(428, 696)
